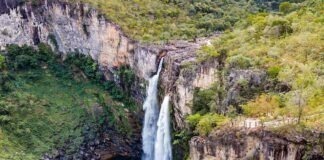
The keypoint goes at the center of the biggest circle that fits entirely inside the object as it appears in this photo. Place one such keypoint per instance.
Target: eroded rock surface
(234, 144)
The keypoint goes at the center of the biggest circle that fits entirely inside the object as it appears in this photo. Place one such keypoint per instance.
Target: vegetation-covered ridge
(48, 104)
(163, 20)
(288, 46)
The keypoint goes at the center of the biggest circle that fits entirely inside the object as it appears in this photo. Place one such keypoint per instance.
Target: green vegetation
(204, 124)
(78, 61)
(180, 141)
(240, 62)
(263, 106)
(289, 47)
(163, 20)
(285, 7)
(203, 99)
(46, 103)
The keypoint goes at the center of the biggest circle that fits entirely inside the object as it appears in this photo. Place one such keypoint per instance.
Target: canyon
(79, 28)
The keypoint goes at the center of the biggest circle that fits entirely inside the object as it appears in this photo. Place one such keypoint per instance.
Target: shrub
(201, 100)
(263, 105)
(24, 62)
(180, 141)
(273, 71)
(127, 78)
(45, 53)
(285, 7)
(25, 57)
(87, 65)
(5, 85)
(21, 57)
(2, 62)
(278, 27)
(206, 52)
(240, 61)
(193, 120)
(205, 124)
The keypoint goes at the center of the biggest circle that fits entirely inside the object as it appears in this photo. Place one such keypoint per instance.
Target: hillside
(164, 20)
(47, 104)
(266, 72)
(289, 47)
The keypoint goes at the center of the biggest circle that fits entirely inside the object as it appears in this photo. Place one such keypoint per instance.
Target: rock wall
(184, 72)
(72, 28)
(237, 144)
(181, 78)
(76, 28)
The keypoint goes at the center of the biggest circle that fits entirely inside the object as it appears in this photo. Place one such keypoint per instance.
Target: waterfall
(156, 131)
(151, 109)
(163, 139)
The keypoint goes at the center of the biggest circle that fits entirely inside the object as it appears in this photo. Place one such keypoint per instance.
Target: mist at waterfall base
(156, 131)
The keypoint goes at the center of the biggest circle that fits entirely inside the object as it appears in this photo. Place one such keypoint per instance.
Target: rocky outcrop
(6, 5)
(236, 144)
(181, 76)
(184, 72)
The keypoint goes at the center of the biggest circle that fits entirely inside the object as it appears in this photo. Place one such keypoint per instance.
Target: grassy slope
(55, 112)
(46, 109)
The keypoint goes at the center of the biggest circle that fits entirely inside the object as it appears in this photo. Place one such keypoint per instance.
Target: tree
(262, 106)
(285, 7)
(2, 62)
(300, 102)
(302, 84)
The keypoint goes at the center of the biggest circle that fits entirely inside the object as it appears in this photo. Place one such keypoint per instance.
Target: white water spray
(151, 109)
(163, 139)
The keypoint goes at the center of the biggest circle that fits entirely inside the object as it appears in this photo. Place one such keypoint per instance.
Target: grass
(56, 111)
(46, 106)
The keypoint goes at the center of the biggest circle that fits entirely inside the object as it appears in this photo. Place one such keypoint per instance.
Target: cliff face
(180, 81)
(79, 28)
(257, 144)
(75, 28)
(184, 73)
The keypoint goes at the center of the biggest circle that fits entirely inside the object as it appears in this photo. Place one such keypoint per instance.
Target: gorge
(183, 78)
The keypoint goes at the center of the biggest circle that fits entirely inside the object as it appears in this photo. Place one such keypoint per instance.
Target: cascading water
(163, 139)
(151, 109)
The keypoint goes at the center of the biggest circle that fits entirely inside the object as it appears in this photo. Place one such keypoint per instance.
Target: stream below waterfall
(156, 136)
